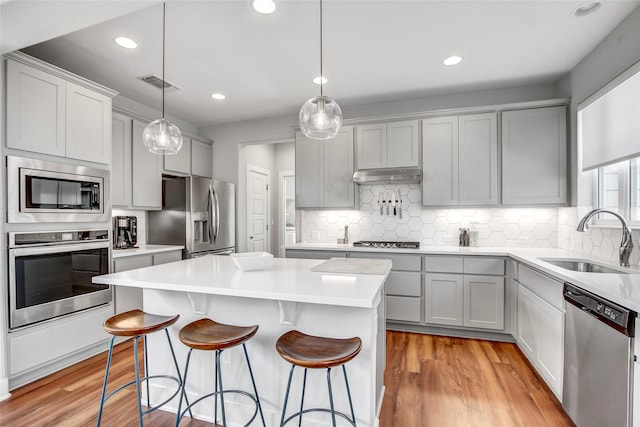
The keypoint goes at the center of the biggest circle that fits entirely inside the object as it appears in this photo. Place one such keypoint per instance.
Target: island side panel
(365, 372)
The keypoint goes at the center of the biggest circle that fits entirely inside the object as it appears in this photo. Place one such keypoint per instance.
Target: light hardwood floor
(431, 381)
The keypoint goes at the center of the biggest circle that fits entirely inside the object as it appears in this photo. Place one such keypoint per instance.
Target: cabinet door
(525, 331)
(550, 351)
(121, 160)
(88, 121)
(166, 257)
(440, 161)
(484, 302)
(146, 172)
(403, 144)
(534, 156)
(478, 160)
(404, 309)
(35, 110)
(201, 158)
(371, 146)
(339, 189)
(443, 299)
(309, 172)
(181, 162)
(127, 298)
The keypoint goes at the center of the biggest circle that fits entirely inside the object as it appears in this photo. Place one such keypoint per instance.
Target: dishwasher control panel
(609, 312)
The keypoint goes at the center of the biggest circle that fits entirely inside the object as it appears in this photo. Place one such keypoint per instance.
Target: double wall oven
(50, 272)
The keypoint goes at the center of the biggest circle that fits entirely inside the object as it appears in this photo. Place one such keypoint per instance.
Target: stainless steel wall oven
(44, 191)
(50, 274)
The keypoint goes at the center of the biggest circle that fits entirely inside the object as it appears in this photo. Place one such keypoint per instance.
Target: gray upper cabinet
(534, 156)
(121, 160)
(51, 111)
(324, 171)
(179, 163)
(388, 145)
(146, 173)
(460, 160)
(201, 158)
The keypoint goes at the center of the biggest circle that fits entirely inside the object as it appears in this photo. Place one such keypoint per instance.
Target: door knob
(251, 237)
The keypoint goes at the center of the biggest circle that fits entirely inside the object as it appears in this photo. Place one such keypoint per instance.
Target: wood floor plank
(431, 381)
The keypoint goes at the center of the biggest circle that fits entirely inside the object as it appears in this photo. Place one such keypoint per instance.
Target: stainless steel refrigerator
(198, 213)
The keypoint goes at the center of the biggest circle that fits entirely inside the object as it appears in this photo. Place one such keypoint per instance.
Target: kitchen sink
(583, 266)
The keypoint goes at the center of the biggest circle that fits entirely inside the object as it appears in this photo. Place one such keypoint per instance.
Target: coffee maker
(125, 232)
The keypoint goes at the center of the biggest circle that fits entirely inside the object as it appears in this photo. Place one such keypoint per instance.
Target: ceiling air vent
(156, 81)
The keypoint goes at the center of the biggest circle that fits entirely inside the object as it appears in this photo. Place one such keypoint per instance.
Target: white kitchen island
(286, 296)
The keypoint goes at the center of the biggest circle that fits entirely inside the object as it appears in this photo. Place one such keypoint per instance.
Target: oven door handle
(54, 249)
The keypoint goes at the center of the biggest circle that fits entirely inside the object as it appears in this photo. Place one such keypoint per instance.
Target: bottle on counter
(464, 237)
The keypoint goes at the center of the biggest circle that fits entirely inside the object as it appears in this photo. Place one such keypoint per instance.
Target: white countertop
(623, 289)
(286, 280)
(144, 250)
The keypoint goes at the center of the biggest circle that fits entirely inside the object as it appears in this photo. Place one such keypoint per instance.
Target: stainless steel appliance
(198, 213)
(125, 232)
(50, 274)
(44, 191)
(386, 245)
(598, 360)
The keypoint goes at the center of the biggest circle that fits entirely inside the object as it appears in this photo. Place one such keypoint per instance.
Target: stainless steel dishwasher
(598, 360)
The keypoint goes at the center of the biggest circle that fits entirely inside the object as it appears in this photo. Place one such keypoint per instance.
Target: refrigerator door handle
(217, 211)
(210, 214)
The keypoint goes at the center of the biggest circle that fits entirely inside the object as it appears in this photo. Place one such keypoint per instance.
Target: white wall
(617, 52)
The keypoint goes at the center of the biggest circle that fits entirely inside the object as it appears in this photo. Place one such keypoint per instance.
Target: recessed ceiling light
(218, 96)
(264, 6)
(320, 80)
(452, 60)
(587, 8)
(125, 42)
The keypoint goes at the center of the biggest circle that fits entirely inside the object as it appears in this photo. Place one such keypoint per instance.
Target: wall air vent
(156, 81)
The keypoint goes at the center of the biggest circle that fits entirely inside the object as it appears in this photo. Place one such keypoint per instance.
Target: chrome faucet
(626, 244)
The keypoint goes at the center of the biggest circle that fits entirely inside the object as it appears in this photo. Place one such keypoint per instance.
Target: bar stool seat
(312, 352)
(137, 324)
(209, 335)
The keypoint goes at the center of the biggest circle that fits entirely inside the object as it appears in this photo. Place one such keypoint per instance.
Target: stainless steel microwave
(45, 191)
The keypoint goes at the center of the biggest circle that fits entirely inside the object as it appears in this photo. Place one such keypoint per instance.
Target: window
(618, 190)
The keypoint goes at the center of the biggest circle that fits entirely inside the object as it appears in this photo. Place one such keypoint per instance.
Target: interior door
(257, 209)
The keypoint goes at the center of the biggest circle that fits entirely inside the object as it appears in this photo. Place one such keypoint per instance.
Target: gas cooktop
(386, 245)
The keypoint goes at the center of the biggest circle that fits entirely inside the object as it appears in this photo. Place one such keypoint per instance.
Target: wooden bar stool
(137, 323)
(310, 352)
(206, 334)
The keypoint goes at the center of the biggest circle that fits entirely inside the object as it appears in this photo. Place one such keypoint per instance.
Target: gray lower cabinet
(313, 254)
(403, 288)
(465, 291)
(131, 298)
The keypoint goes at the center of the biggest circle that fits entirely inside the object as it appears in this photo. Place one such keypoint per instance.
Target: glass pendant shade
(320, 118)
(162, 137)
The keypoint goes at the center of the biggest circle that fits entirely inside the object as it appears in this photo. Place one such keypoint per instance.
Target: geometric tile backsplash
(526, 227)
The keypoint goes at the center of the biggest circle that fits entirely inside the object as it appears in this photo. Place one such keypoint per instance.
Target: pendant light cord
(321, 74)
(164, 23)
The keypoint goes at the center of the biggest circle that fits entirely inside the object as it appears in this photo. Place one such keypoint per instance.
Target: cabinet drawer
(405, 309)
(545, 287)
(131, 263)
(166, 257)
(443, 264)
(477, 265)
(403, 283)
(399, 262)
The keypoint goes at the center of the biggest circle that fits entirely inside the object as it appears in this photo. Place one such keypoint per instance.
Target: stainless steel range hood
(388, 176)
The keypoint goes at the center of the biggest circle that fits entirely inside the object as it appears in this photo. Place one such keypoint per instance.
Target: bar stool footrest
(142, 380)
(216, 393)
(300, 413)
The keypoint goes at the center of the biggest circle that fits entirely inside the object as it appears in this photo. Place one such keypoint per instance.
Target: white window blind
(609, 121)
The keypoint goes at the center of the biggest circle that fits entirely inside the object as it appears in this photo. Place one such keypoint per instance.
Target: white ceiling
(374, 50)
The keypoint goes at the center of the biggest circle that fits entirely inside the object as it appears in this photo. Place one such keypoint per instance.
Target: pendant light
(320, 117)
(161, 136)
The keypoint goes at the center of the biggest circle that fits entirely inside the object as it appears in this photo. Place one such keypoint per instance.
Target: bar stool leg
(146, 369)
(219, 379)
(106, 378)
(286, 396)
(184, 393)
(137, 367)
(304, 388)
(333, 411)
(253, 382)
(353, 415)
